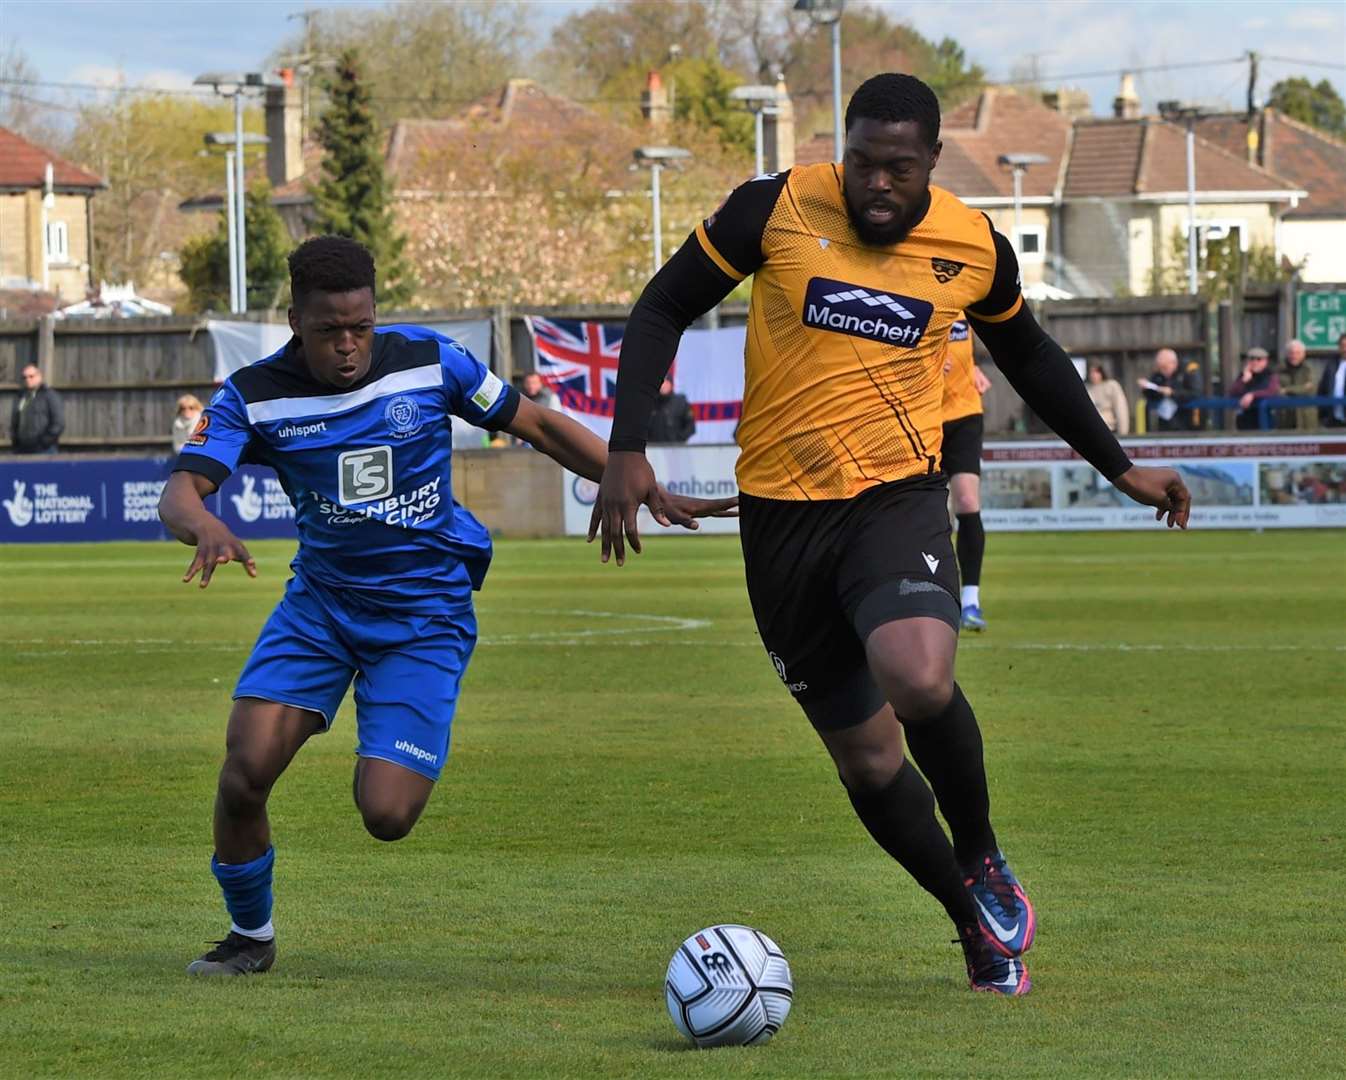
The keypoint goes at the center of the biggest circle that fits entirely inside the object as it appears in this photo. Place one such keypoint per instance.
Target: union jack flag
(579, 361)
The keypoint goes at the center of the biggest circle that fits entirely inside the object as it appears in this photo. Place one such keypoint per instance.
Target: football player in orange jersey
(964, 385)
(860, 270)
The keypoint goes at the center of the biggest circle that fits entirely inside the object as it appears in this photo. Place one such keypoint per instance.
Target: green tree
(418, 59)
(147, 149)
(204, 259)
(354, 198)
(1223, 267)
(1318, 106)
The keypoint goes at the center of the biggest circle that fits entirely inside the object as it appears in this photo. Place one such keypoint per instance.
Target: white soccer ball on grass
(728, 985)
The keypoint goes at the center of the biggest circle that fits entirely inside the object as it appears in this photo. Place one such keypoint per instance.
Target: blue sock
(247, 892)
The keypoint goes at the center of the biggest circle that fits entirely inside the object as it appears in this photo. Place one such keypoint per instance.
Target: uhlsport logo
(299, 431)
(866, 313)
(365, 475)
(412, 750)
(403, 416)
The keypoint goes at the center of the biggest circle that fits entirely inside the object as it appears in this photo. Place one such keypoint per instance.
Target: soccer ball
(728, 986)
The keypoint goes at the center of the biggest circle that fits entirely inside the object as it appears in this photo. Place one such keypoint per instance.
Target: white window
(1209, 229)
(58, 242)
(1030, 241)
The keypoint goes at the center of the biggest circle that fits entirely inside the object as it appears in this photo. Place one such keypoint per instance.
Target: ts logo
(364, 475)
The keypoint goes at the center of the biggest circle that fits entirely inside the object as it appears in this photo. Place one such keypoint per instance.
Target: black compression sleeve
(1042, 374)
(688, 286)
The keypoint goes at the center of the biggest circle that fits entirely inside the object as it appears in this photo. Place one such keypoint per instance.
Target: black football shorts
(823, 574)
(962, 445)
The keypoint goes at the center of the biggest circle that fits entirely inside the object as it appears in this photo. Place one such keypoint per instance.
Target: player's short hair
(892, 98)
(329, 264)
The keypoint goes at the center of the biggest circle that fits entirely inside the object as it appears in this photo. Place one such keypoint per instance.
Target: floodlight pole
(240, 217)
(230, 209)
(655, 169)
(836, 88)
(1191, 203)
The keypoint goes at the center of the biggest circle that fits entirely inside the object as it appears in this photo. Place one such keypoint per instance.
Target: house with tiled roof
(45, 219)
(1097, 215)
(1314, 231)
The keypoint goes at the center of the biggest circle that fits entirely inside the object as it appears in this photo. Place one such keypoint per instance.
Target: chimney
(1126, 105)
(654, 104)
(1073, 102)
(284, 127)
(778, 131)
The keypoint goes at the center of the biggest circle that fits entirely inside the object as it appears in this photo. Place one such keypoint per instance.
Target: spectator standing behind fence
(1257, 381)
(536, 390)
(1333, 384)
(189, 412)
(1167, 392)
(38, 418)
(673, 420)
(1297, 381)
(1110, 400)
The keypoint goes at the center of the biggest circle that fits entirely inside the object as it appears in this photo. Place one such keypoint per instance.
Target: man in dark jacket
(1333, 384)
(673, 421)
(38, 417)
(1167, 392)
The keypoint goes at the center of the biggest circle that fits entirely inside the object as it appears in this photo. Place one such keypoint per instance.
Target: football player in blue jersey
(355, 419)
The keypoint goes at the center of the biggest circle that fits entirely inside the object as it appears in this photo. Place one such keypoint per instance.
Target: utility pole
(304, 63)
(1252, 83)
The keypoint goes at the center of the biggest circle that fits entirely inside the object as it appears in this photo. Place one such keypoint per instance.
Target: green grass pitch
(1165, 720)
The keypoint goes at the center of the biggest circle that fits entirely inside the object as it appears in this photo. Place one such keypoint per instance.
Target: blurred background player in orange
(964, 427)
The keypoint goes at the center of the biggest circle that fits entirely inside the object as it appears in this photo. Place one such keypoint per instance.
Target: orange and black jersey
(960, 391)
(845, 341)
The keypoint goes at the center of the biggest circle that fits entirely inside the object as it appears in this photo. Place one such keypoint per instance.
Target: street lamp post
(233, 85)
(655, 158)
(1019, 164)
(760, 100)
(1189, 114)
(828, 13)
(227, 138)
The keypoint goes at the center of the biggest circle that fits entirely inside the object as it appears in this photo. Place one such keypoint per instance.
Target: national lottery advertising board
(50, 500)
(1298, 481)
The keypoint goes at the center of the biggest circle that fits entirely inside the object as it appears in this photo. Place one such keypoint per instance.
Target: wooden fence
(120, 380)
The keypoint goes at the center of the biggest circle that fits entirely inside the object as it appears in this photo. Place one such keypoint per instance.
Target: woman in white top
(1109, 399)
(189, 412)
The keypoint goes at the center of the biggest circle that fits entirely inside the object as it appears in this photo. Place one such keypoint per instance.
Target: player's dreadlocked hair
(891, 98)
(329, 264)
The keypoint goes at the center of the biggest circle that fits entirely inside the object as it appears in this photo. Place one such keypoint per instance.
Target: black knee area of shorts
(850, 701)
(905, 598)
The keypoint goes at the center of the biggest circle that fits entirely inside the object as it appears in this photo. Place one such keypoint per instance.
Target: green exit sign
(1322, 318)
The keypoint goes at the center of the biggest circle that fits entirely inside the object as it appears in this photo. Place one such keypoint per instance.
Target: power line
(1124, 70)
(1305, 63)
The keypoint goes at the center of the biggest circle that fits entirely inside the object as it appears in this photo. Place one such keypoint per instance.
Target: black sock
(901, 819)
(971, 546)
(947, 747)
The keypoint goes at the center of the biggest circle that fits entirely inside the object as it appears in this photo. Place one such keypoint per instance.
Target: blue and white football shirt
(367, 468)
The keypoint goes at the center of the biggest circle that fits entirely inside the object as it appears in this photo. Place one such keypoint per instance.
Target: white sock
(262, 933)
(971, 596)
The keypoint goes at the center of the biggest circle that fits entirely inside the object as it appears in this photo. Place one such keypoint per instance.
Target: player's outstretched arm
(581, 451)
(183, 511)
(1042, 374)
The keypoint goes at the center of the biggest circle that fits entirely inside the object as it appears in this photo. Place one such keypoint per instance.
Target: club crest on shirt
(958, 331)
(198, 436)
(946, 269)
(403, 416)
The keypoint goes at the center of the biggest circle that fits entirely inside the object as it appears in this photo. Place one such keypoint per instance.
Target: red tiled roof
(1149, 156)
(24, 165)
(1000, 122)
(1308, 158)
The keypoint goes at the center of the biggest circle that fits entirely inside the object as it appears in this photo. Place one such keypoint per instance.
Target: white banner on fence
(704, 471)
(238, 344)
(1236, 483)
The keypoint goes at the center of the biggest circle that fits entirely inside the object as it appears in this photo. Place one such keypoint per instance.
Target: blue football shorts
(407, 670)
